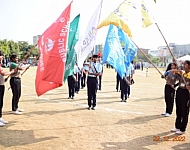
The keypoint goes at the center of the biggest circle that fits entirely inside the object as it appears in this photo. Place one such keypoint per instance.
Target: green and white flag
(72, 40)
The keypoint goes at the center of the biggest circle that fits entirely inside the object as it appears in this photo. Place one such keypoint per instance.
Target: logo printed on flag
(49, 45)
(52, 49)
(72, 40)
(127, 16)
(128, 47)
(85, 44)
(113, 53)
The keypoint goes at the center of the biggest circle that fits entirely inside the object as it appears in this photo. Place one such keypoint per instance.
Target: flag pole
(151, 63)
(170, 52)
(29, 66)
(166, 42)
(23, 59)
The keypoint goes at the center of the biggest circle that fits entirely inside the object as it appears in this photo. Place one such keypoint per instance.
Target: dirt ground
(53, 122)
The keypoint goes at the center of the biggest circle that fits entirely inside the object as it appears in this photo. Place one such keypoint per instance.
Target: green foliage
(20, 48)
(142, 57)
(155, 60)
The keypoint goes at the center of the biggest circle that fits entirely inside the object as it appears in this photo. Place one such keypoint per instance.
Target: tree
(20, 48)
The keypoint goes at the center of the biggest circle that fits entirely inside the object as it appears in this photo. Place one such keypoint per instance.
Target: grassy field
(53, 122)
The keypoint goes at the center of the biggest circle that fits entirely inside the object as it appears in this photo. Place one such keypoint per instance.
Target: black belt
(15, 78)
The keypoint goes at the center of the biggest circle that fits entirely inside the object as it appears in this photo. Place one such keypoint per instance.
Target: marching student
(125, 83)
(84, 71)
(169, 91)
(78, 72)
(72, 81)
(131, 73)
(94, 72)
(118, 82)
(182, 99)
(2, 89)
(15, 83)
(100, 75)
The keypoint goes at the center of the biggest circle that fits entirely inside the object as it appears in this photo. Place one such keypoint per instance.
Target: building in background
(180, 50)
(35, 39)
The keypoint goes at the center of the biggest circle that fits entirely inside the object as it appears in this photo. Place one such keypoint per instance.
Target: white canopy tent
(186, 57)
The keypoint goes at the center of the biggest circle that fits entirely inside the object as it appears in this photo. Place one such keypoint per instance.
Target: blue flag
(128, 47)
(113, 53)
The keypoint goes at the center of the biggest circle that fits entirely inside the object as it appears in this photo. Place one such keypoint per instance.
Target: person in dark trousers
(118, 82)
(72, 80)
(124, 87)
(2, 88)
(100, 75)
(15, 83)
(169, 91)
(84, 71)
(92, 82)
(131, 73)
(142, 65)
(77, 87)
(182, 99)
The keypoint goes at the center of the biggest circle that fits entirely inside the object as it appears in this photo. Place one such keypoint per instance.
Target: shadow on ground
(143, 142)
(19, 137)
(149, 99)
(139, 120)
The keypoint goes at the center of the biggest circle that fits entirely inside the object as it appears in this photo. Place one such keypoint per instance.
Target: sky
(20, 20)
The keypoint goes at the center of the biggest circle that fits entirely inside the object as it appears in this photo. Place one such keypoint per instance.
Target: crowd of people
(90, 75)
(15, 83)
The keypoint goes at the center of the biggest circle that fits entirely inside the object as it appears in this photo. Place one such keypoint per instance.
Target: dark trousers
(16, 91)
(124, 89)
(71, 85)
(129, 90)
(169, 98)
(83, 79)
(77, 88)
(118, 80)
(182, 110)
(92, 89)
(2, 90)
(100, 82)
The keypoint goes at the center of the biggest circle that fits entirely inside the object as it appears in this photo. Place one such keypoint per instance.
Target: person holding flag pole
(92, 83)
(2, 88)
(15, 83)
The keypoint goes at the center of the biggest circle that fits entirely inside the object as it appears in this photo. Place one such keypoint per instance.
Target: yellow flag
(130, 16)
(147, 20)
(127, 16)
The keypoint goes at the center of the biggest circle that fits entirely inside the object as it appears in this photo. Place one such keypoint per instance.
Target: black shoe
(93, 108)
(121, 100)
(69, 97)
(72, 97)
(125, 100)
(88, 108)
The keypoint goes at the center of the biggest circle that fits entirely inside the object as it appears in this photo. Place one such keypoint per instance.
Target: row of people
(15, 83)
(90, 75)
(181, 95)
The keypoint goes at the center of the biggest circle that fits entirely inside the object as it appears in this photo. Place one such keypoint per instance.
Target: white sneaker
(180, 132)
(174, 130)
(16, 112)
(20, 110)
(164, 113)
(1, 124)
(3, 121)
(167, 115)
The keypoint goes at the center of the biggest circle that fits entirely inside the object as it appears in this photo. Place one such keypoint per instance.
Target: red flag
(52, 49)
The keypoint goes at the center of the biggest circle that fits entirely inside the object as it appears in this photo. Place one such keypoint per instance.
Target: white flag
(85, 44)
